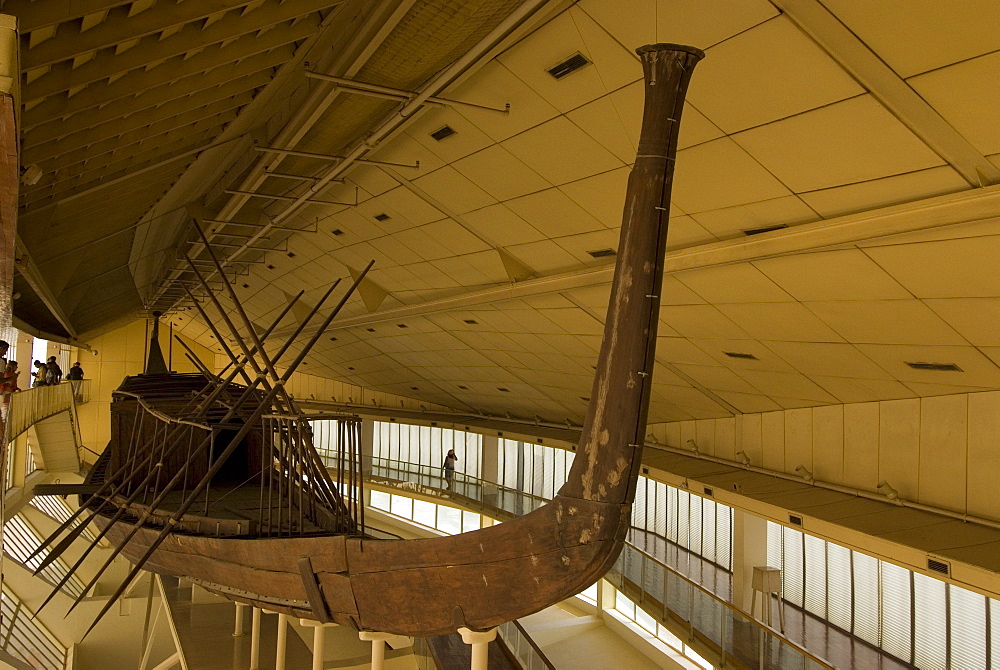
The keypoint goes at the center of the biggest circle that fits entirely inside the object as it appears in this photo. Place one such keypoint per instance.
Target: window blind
(930, 622)
(866, 598)
(839, 586)
(897, 624)
(968, 628)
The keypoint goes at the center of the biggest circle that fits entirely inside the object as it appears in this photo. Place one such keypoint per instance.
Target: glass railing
(523, 648)
(722, 630)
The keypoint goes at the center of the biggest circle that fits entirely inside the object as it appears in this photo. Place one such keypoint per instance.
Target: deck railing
(734, 637)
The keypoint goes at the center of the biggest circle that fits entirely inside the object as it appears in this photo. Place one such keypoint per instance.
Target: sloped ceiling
(815, 117)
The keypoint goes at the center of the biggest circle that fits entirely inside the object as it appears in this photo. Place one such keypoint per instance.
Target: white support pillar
(490, 464)
(749, 550)
(238, 629)
(282, 643)
(480, 642)
(378, 646)
(319, 640)
(255, 640)
(367, 445)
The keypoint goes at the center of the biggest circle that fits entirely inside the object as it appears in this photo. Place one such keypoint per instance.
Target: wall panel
(899, 445)
(983, 461)
(828, 443)
(943, 442)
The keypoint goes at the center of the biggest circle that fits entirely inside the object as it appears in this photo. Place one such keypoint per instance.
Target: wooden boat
(218, 483)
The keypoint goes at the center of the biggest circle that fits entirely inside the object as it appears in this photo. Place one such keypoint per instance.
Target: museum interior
(432, 334)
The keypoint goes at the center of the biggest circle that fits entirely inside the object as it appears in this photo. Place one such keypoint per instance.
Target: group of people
(45, 374)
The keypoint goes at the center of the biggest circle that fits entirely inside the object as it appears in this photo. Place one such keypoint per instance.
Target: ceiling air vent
(709, 492)
(568, 66)
(602, 253)
(338, 231)
(941, 367)
(794, 520)
(464, 388)
(441, 133)
(500, 388)
(382, 217)
(471, 322)
(401, 325)
(938, 566)
(736, 354)
(766, 229)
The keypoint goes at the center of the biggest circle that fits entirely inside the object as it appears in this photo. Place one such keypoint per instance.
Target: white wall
(942, 451)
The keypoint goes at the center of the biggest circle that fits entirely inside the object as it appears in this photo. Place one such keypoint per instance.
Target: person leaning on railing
(8, 384)
(38, 377)
(75, 378)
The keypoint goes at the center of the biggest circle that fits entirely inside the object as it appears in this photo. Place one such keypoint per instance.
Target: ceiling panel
(956, 268)
(739, 282)
(700, 23)
(885, 322)
(850, 141)
(831, 275)
(921, 35)
(500, 174)
(561, 151)
(976, 368)
(720, 174)
(733, 221)
(773, 70)
(966, 95)
(779, 321)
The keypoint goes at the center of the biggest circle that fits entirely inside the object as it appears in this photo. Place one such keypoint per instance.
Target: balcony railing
(30, 406)
(731, 635)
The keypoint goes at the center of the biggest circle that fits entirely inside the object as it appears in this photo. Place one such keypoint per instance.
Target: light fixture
(694, 446)
(887, 490)
(804, 473)
(744, 459)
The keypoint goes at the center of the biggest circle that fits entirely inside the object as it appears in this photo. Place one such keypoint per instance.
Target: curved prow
(483, 578)
(608, 456)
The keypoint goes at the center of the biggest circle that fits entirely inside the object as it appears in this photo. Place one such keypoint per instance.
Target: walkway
(739, 637)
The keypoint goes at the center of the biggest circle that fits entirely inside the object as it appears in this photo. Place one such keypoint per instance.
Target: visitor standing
(449, 467)
(75, 377)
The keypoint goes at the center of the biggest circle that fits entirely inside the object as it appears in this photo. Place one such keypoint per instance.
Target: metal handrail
(736, 612)
(534, 645)
(30, 406)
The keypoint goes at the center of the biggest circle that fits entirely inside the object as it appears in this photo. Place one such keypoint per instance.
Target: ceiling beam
(36, 280)
(210, 68)
(147, 122)
(118, 27)
(63, 77)
(890, 89)
(148, 103)
(33, 15)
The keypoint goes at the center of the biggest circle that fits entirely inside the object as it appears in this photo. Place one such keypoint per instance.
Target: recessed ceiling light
(602, 253)
(568, 66)
(443, 132)
(765, 229)
(736, 354)
(940, 367)
(382, 217)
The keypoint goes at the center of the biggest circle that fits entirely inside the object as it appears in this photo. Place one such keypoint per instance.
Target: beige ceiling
(866, 130)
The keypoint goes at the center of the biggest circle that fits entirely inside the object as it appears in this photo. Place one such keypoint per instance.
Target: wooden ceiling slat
(116, 127)
(62, 77)
(118, 26)
(137, 140)
(32, 15)
(186, 78)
